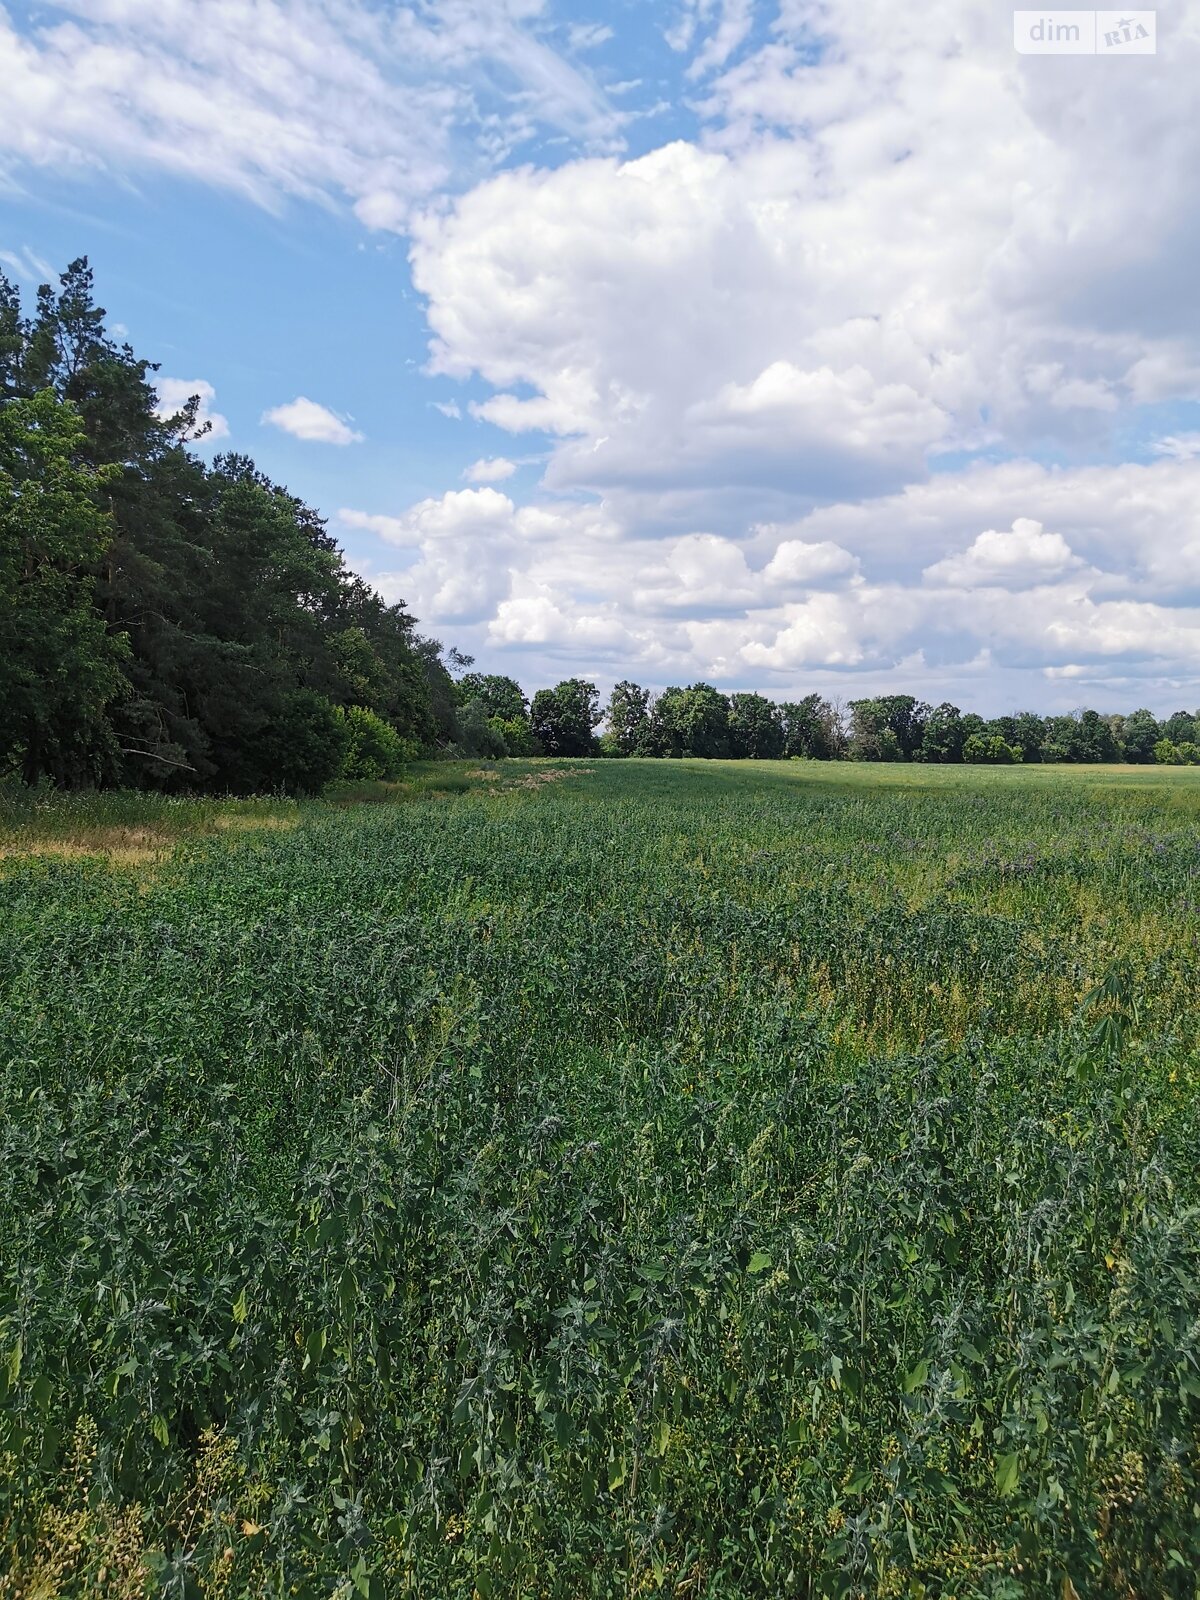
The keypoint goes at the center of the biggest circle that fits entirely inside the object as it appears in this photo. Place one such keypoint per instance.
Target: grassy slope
(678, 1174)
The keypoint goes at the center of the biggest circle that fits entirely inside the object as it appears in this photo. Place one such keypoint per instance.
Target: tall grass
(674, 1180)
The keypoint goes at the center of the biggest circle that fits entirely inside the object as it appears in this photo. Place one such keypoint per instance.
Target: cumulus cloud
(818, 386)
(493, 470)
(305, 419)
(1102, 574)
(173, 395)
(1018, 559)
(823, 294)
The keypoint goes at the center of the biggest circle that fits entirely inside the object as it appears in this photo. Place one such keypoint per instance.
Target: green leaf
(914, 1379)
(759, 1261)
(240, 1308)
(158, 1427)
(1008, 1473)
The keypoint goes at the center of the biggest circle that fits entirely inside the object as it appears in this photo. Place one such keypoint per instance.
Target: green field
(607, 1179)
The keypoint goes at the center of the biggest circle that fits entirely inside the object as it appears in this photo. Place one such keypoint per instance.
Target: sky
(789, 345)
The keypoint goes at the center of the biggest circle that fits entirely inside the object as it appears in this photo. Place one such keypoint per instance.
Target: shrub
(517, 735)
(990, 750)
(373, 747)
(477, 735)
(305, 745)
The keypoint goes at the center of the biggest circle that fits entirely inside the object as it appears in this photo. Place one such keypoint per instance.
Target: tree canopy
(164, 622)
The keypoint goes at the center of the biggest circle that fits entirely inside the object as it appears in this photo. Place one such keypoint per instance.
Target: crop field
(605, 1179)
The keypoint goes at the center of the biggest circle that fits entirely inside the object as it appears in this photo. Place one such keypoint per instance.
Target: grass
(641, 1178)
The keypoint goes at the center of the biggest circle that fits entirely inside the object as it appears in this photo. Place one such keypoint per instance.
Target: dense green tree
(629, 730)
(812, 728)
(303, 745)
(691, 722)
(501, 696)
(1029, 734)
(1180, 726)
(990, 749)
(943, 737)
(899, 715)
(1096, 741)
(59, 665)
(755, 728)
(563, 718)
(230, 592)
(517, 735)
(440, 689)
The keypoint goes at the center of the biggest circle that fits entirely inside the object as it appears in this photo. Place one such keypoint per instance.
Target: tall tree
(501, 696)
(563, 718)
(1140, 734)
(943, 738)
(691, 722)
(755, 728)
(812, 728)
(628, 719)
(59, 665)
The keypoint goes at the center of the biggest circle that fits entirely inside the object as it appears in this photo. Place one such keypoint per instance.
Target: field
(693, 1179)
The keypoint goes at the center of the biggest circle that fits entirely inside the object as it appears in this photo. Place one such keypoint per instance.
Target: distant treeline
(164, 623)
(173, 625)
(701, 721)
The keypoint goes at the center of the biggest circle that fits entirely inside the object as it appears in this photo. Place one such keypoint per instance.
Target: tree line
(167, 623)
(701, 721)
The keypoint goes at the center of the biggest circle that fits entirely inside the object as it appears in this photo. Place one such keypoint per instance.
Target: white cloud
(1097, 568)
(736, 18)
(588, 35)
(173, 395)
(1017, 559)
(1179, 446)
(309, 99)
(798, 562)
(305, 419)
(463, 542)
(494, 470)
(26, 265)
(758, 352)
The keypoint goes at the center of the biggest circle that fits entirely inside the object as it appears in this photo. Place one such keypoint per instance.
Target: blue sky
(791, 345)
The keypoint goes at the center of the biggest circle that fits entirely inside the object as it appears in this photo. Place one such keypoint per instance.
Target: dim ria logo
(1084, 33)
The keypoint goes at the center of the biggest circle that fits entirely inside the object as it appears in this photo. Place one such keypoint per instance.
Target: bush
(517, 735)
(990, 750)
(476, 734)
(304, 747)
(373, 747)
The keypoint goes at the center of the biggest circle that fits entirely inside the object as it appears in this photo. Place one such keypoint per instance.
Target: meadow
(599, 1179)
